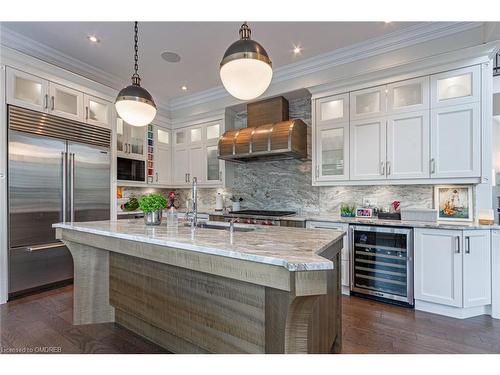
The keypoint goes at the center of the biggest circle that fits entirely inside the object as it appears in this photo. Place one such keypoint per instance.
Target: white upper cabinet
(368, 149)
(408, 96)
(408, 145)
(438, 266)
(32, 92)
(162, 156)
(26, 90)
(368, 103)
(213, 132)
(332, 109)
(66, 102)
(456, 87)
(97, 111)
(477, 268)
(456, 141)
(195, 135)
(131, 141)
(180, 163)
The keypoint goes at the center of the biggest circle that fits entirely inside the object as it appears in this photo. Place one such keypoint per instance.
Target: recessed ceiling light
(93, 38)
(297, 50)
(171, 57)
(387, 21)
(184, 88)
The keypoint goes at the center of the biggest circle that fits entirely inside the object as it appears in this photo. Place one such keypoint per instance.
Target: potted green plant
(347, 210)
(152, 205)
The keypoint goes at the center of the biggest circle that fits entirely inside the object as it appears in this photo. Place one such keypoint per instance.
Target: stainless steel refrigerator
(59, 170)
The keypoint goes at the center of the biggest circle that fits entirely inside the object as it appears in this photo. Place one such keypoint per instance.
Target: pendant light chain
(136, 80)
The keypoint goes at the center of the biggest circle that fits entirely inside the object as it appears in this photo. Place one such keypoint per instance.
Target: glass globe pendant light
(134, 104)
(245, 69)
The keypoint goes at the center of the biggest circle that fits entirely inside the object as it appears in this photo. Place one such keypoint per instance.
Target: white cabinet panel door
(66, 102)
(455, 87)
(438, 266)
(368, 149)
(180, 166)
(163, 170)
(408, 96)
(477, 268)
(196, 164)
(408, 145)
(332, 144)
(455, 141)
(345, 273)
(368, 103)
(27, 91)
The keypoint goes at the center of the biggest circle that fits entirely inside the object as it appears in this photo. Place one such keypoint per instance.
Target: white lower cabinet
(344, 270)
(453, 267)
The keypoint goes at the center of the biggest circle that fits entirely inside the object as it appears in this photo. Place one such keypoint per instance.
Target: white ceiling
(200, 45)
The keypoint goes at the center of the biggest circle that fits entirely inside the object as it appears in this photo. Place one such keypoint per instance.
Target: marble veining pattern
(293, 248)
(287, 184)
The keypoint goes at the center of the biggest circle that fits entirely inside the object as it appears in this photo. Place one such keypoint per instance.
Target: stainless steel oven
(382, 263)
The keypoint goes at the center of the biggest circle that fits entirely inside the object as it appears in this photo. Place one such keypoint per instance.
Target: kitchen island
(257, 290)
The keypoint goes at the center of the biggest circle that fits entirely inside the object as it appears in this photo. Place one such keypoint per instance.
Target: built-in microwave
(130, 170)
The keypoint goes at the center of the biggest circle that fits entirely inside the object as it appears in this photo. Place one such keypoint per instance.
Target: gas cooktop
(262, 213)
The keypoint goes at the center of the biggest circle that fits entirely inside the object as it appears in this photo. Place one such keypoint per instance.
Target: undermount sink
(220, 227)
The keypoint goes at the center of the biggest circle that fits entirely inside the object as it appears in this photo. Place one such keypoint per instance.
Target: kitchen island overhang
(271, 290)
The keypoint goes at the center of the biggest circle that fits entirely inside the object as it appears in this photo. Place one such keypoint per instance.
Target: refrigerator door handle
(64, 163)
(72, 186)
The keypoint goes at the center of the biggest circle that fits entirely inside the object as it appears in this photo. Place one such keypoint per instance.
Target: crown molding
(406, 37)
(38, 50)
(375, 46)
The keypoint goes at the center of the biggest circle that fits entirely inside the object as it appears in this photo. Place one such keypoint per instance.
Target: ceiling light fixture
(184, 88)
(297, 50)
(93, 38)
(134, 104)
(246, 70)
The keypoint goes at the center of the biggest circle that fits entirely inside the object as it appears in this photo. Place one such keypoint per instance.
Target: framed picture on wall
(454, 202)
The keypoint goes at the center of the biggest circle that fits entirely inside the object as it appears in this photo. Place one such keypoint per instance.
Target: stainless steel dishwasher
(382, 263)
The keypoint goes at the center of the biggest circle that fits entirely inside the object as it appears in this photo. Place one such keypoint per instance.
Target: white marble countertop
(296, 249)
(376, 221)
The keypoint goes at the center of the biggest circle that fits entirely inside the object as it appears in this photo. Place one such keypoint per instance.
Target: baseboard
(346, 290)
(453, 312)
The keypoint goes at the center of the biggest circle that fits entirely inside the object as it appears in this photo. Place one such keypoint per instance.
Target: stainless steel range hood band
(34, 122)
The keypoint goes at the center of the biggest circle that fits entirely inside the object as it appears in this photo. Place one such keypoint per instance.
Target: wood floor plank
(369, 327)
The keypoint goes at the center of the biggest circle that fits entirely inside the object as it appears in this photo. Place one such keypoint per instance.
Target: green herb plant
(152, 202)
(347, 210)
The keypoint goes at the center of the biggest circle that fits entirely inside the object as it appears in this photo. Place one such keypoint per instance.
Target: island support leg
(91, 285)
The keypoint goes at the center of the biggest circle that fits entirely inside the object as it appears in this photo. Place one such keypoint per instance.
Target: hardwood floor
(44, 320)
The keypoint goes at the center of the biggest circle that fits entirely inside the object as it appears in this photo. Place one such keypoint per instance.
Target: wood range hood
(269, 135)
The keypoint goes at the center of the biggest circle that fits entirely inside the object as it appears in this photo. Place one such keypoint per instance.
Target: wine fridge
(382, 263)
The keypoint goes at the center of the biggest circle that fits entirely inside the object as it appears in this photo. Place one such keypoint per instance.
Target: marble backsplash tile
(286, 184)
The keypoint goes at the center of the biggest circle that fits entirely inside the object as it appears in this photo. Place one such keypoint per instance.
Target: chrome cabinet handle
(317, 171)
(388, 168)
(46, 101)
(64, 163)
(53, 103)
(45, 247)
(458, 244)
(86, 112)
(467, 245)
(189, 177)
(382, 168)
(433, 166)
(220, 175)
(156, 174)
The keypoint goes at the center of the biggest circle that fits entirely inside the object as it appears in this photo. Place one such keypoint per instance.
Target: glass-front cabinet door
(458, 86)
(332, 109)
(214, 174)
(66, 102)
(137, 141)
(212, 132)
(120, 136)
(408, 96)
(368, 103)
(26, 90)
(333, 152)
(97, 111)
